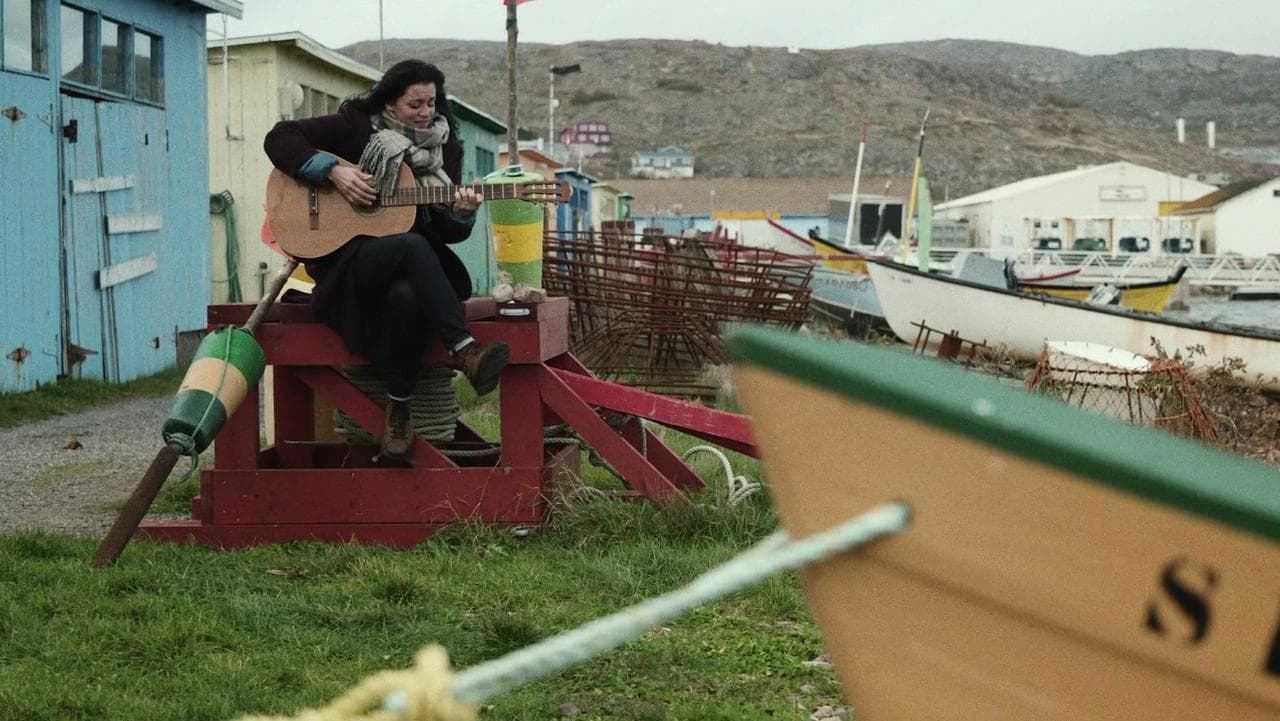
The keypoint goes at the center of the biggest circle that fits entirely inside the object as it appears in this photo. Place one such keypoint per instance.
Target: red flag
(518, 2)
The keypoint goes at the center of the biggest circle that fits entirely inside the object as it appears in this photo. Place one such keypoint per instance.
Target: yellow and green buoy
(517, 231)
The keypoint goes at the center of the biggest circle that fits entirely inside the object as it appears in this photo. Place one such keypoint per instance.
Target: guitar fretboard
(441, 194)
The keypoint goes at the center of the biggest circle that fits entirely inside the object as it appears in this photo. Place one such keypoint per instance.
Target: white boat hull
(1022, 323)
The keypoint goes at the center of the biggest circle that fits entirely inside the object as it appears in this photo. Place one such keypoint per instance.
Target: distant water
(1220, 309)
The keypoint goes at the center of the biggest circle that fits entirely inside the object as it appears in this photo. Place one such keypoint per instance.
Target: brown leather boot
(482, 365)
(397, 434)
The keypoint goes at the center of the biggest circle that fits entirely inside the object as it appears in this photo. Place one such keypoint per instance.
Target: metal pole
(853, 197)
(382, 64)
(551, 114)
(915, 187)
(226, 83)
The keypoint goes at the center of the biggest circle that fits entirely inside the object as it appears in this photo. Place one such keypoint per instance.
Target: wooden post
(513, 144)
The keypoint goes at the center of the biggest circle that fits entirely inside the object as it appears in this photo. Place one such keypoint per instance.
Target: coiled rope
(740, 487)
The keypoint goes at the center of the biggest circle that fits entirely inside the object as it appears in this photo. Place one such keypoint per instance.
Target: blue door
(116, 165)
(31, 341)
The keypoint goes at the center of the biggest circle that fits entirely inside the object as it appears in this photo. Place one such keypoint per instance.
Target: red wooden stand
(302, 488)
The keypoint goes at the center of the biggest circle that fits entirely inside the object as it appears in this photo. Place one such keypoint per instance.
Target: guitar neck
(434, 194)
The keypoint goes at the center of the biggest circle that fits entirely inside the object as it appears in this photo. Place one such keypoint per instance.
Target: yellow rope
(420, 693)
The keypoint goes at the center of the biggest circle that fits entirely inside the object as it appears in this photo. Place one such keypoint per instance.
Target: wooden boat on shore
(1060, 566)
(1022, 323)
(1148, 297)
(837, 257)
(846, 298)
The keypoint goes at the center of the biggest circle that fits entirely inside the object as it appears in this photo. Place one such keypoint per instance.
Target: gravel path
(44, 484)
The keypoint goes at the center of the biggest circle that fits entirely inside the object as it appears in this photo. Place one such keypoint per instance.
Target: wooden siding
(54, 262)
(262, 75)
(31, 342)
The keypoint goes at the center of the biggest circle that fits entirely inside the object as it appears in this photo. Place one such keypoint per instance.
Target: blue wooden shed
(576, 214)
(105, 222)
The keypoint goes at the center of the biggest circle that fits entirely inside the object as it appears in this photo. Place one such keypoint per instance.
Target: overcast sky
(1084, 26)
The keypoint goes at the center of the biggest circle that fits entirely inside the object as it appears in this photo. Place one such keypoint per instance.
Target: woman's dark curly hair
(394, 82)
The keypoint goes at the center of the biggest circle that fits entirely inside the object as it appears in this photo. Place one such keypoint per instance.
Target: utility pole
(556, 71)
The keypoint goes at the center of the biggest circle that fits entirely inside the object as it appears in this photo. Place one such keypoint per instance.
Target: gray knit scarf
(394, 142)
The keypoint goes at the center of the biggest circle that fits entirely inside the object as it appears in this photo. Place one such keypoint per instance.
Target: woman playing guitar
(387, 295)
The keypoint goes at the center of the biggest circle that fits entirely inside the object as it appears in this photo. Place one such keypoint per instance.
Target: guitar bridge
(313, 208)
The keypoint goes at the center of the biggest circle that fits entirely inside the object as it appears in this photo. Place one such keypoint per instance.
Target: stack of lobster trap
(647, 309)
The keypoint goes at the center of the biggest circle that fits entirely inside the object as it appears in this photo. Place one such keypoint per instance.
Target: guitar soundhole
(368, 211)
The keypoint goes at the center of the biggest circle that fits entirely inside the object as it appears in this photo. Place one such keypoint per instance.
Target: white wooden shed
(1081, 208)
(1241, 218)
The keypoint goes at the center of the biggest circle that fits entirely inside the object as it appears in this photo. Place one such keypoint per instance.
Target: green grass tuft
(69, 396)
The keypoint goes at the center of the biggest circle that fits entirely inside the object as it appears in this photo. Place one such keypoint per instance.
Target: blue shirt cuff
(316, 169)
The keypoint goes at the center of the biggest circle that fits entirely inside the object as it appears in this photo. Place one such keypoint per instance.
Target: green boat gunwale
(1224, 488)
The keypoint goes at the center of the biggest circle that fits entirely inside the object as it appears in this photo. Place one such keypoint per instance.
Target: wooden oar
(149, 487)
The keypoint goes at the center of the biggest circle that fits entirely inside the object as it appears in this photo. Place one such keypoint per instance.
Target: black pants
(402, 274)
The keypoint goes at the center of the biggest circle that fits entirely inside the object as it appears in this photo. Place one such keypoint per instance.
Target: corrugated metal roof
(1208, 203)
(797, 196)
(1022, 186)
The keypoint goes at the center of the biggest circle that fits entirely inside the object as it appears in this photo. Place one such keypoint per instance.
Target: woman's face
(416, 106)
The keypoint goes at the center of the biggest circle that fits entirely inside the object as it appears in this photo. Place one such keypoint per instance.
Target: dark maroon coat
(290, 144)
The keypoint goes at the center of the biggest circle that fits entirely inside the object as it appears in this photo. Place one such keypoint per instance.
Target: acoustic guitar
(310, 222)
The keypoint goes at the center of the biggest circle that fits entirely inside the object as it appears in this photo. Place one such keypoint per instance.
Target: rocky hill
(1000, 111)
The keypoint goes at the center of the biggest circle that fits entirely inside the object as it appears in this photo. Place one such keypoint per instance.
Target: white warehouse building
(1241, 218)
(1118, 206)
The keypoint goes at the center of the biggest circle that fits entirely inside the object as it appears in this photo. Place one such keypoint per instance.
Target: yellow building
(254, 82)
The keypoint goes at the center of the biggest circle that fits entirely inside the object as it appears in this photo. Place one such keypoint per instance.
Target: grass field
(189, 633)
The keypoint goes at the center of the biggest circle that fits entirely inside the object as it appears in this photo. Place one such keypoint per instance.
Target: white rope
(775, 554)
(740, 487)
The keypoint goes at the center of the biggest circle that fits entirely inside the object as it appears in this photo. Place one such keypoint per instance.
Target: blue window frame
(105, 57)
(24, 37)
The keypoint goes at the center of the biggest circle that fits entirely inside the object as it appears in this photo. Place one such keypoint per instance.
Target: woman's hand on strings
(353, 184)
(466, 200)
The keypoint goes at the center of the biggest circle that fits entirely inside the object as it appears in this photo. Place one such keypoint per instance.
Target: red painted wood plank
(730, 430)
(294, 418)
(237, 313)
(238, 443)
(348, 399)
(521, 417)
(662, 457)
(313, 344)
(376, 495)
(636, 471)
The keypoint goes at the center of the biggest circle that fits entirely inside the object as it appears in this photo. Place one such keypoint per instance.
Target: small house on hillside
(668, 162)
(1115, 206)
(287, 76)
(586, 138)
(1241, 218)
(106, 197)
